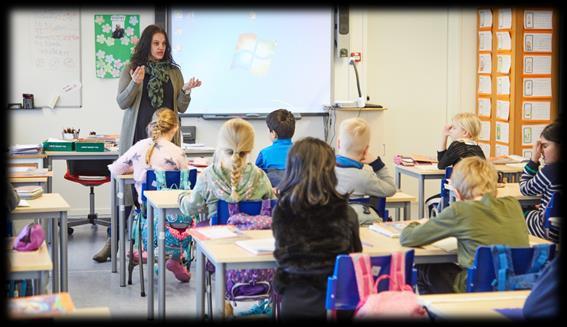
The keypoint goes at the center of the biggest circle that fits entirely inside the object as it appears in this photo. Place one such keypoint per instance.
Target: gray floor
(91, 284)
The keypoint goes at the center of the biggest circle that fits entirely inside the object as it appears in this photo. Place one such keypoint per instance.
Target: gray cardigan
(129, 97)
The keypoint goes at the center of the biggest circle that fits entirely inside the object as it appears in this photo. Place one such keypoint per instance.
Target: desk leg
(407, 208)
(220, 286)
(421, 204)
(56, 277)
(150, 265)
(113, 223)
(64, 252)
(200, 287)
(161, 264)
(122, 246)
(398, 185)
(47, 162)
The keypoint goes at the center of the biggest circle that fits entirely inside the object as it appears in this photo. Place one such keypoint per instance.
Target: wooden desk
(160, 201)
(34, 265)
(224, 254)
(400, 201)
(509, 189)
(51, 206)
(19, 179)
(473, 305)
(74, 155)
(423, 172)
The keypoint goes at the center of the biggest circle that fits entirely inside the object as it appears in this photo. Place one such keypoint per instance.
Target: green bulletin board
(115, 39)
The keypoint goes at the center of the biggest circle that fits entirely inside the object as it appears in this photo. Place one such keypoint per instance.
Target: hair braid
(235, 174)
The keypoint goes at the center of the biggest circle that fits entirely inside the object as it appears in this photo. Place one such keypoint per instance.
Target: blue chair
(445, 193)
(342, 292)
(171, 180)
(552, 211)
(251, 207)
(481, 275)
(379, 207)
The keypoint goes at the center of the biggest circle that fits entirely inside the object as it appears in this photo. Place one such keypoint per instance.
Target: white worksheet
(484, 107)
(537, 87)
(503, 85)
(504, 41)
(484, 85)
(504, 18)
(485, 18)
(504, 64)
(537, 42)
(538, 19)
(502, 132)
(503, 109)
(485, 63)
(536, 110)
(485, 41)
(537, 65)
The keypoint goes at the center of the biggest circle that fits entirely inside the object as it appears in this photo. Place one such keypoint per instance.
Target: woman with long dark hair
(152, 80)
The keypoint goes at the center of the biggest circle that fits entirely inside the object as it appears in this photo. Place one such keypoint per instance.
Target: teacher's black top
(146, 109)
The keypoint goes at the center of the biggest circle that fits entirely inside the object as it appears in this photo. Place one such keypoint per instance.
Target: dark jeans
(436, 278)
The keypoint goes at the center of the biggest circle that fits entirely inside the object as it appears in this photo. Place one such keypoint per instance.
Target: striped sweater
(458, 150)
(544, 182)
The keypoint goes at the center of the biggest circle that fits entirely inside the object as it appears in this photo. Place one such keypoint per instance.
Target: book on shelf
(390, 229)
(258, 246)
(40, 306)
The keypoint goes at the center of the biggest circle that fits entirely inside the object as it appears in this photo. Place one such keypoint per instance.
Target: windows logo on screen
(253, 54)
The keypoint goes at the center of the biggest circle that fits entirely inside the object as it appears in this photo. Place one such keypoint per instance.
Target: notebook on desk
(214, 232)
(258, 246)
(389, 229)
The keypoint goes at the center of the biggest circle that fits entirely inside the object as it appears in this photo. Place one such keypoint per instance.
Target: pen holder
(70, 136)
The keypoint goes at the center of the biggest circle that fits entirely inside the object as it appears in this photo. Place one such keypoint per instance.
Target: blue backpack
(506, 278)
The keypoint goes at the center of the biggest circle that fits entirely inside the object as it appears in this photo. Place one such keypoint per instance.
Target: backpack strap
(160, 179)
(540, 257)
(363, 274)
(266, 207)
(184, 183)
(397, 271)
(503, 267)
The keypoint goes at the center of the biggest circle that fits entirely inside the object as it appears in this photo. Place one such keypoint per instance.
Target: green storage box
(89, 146)
(58, 146)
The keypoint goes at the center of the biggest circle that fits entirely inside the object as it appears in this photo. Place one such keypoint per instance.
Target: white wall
(418, 64)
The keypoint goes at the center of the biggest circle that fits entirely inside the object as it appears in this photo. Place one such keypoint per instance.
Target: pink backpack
(398, 302)
(30, 238)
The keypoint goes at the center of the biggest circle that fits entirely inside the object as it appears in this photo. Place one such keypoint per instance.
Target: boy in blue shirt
(272, 159)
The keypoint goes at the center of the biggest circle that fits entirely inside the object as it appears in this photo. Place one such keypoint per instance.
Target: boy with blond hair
(476, 218)
(464, 130)
(359, 173)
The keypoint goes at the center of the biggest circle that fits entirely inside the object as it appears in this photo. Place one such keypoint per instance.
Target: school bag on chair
(506, 278)
(399, 301)
(249, 284)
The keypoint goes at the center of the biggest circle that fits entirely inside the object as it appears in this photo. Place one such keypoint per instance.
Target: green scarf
(159, 75)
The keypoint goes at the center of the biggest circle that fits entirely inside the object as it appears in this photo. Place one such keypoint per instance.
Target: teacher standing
(151, 81)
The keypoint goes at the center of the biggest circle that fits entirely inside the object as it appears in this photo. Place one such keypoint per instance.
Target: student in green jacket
(476, 218)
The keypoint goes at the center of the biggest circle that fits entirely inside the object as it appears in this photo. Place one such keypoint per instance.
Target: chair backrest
(445, 193)
(481, 275)
(251, 207)
(380, 205)
(89, 167)
(342, 291)
(552, 209)
(171, 180)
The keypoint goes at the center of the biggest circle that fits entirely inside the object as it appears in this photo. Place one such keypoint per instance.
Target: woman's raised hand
(193, 82)
(138, 74)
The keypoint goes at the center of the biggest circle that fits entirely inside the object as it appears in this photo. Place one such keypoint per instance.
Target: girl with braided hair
(155, 152)
(231, 177)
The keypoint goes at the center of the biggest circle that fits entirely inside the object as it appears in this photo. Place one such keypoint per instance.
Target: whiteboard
(45, 56)
(254, 61)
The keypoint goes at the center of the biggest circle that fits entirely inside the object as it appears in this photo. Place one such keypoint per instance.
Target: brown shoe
(104, 253)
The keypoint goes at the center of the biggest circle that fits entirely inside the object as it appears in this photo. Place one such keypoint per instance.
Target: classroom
(416, 148)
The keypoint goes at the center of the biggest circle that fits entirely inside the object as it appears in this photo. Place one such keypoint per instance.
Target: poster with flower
(115, 39)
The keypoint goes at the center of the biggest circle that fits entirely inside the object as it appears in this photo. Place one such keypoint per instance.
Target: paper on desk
(217, 232)
(258, 246)
(427, 167)
(23, 203)
(448, 244)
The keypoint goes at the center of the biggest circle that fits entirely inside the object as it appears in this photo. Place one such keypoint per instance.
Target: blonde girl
(464, 130)
(231, 177)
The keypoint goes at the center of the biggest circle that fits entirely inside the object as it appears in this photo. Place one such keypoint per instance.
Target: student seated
(231, 177)
(312, 224)
(272, 159)
(544, 181)
(358, 173)
(155, 152)
(464, 131)
(476, 218)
